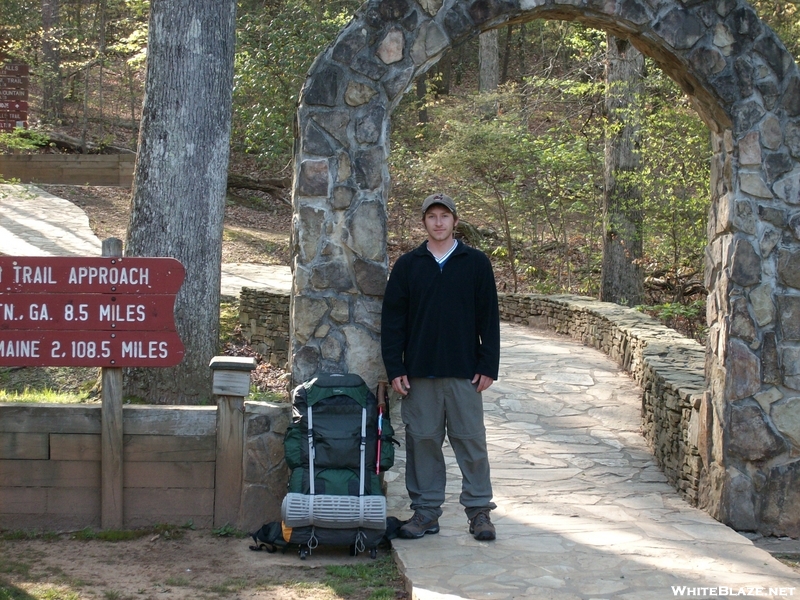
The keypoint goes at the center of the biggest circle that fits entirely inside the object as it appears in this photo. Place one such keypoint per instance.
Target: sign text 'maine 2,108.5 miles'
(89, 311)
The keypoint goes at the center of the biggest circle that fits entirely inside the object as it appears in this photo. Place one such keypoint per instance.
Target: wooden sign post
(111, 438)
(109, 312)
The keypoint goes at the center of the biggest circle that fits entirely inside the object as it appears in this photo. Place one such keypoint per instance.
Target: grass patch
(307, 589)
(123, 535)
(12, 592)
(229, 586)
(37, 592)
(110, 535)
(32, 396)
(265, 396)
(58, 385)
(53, 592)
(22, 534)
(377, 578)
(177, 581)
(9, 566)
(229, 530)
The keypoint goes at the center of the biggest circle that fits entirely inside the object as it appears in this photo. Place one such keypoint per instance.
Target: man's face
(439, 223)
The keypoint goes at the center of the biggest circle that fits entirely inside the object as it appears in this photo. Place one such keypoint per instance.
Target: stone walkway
(583, 510)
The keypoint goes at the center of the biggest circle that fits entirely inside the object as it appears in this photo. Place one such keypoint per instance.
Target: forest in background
(525, 160)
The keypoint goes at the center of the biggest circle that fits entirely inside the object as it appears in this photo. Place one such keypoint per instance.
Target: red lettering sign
(14, 69)
(10, 125)
(90, 349)
(13, 116)
(105, 312)
(9, 95)
(89, 311)
(14, 82)
(85, 275)
(13, 105)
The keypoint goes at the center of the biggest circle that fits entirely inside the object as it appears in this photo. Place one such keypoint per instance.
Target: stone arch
(745, 86)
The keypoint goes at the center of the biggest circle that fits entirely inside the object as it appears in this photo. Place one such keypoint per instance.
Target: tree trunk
(446, 71)
(622, 275)
(180, 180)
(101, 51)
(422, 92)
(506, 54)
(52, 97)
(488, 61)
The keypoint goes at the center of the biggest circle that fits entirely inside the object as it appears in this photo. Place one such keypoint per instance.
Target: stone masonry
(264, 318)
(667, 366)
(745, 86)
(265, 474)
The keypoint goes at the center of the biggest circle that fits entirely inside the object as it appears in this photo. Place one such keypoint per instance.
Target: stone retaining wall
(667, 366)
(264, 317)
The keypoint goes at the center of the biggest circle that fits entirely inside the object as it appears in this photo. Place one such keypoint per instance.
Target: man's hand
(401, 385)
(483, 382)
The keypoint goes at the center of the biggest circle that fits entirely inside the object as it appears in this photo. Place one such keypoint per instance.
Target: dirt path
(197, 565)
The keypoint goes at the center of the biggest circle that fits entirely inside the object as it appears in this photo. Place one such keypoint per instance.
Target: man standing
(440, 338)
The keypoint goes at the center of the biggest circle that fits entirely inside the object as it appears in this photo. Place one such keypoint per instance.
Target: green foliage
(529, 173)
(784, 19)
(228, 322)
(275, 50)
(164, 530)
(376, 577)
(23, 139)
(24, 534)
(229, 586)
(20, 28)
(674, 180)
(229, 530)
(528, 163)
(689, 318)
(31, 396)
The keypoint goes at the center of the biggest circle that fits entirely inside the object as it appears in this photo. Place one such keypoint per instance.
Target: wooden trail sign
(14, 82)
(89, 311)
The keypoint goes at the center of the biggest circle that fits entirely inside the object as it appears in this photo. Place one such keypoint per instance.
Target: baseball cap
(442, 199)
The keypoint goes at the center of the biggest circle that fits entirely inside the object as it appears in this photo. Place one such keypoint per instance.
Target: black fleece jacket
(441, 322)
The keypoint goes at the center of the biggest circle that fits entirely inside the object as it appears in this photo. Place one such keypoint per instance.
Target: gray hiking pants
(432, 407)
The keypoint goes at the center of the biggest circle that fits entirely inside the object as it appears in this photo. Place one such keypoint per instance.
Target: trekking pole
(381, 407)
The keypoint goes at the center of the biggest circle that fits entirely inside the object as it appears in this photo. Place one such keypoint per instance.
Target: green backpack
(340, 440)
(336, 404)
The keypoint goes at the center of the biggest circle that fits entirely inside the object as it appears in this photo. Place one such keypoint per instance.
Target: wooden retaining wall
(50, 466)
(69, 169)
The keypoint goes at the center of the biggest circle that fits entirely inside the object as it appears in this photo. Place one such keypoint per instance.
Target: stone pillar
(753, 313)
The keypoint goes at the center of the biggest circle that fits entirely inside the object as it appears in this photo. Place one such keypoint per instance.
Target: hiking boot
(481, 528)
(417, 526)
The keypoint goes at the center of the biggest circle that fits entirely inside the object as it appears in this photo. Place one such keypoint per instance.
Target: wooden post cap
(233, 363)
(231, 375)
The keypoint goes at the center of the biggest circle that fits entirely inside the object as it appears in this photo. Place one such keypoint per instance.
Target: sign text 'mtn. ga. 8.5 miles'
(89, 311)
